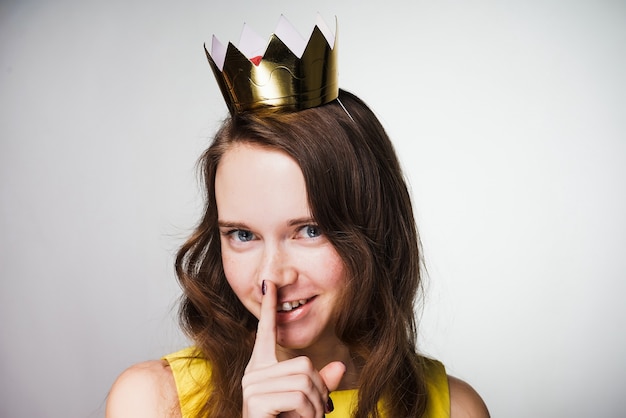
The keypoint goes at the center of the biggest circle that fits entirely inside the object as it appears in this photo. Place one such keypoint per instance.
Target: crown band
(281, 79)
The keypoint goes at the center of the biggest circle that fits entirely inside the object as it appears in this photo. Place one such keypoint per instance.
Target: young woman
(309, 230)
(300, 280)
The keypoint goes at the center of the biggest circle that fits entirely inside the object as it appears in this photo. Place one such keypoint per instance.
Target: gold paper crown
(290, 73)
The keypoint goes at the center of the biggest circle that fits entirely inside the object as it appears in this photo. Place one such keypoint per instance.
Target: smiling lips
(289, 306)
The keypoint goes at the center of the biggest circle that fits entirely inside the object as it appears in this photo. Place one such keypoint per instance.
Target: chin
(293, 342)
(296, 338)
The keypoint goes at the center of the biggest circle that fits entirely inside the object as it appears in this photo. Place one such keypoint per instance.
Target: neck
(321, 356)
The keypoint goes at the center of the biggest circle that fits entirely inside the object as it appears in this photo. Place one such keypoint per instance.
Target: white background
(510, 120)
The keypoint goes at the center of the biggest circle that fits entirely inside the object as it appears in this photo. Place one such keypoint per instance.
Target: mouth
(290, 306)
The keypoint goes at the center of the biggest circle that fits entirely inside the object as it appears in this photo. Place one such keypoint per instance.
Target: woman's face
(267, 233)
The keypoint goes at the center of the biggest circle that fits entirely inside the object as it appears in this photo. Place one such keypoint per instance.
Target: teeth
(288, 306)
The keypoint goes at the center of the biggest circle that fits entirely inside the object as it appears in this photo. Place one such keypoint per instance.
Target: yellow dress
(192, 374)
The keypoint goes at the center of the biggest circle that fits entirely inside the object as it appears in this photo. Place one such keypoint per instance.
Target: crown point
(288, 34)
(326, 31)
(250, 43)
(218, 52)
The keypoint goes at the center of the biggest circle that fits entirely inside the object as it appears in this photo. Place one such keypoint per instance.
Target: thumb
(332, 374)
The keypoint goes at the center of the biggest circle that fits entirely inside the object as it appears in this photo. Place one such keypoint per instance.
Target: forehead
(256, 182)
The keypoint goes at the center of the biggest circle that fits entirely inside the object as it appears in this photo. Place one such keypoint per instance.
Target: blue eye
(312, 231)
(242, 235)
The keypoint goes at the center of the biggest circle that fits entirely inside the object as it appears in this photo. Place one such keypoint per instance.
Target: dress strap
(192, 375)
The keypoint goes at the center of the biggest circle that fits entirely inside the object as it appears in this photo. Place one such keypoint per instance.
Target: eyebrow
(241, 225)
(238, 225)
(301, 221)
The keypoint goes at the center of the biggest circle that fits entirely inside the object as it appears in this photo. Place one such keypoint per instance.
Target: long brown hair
(358, 196)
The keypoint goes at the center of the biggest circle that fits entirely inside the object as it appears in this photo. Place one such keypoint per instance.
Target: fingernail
(263, 287)
(329, 406)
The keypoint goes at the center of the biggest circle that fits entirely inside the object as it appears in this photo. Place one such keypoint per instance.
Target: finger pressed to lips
(275, 387)
(264, 351)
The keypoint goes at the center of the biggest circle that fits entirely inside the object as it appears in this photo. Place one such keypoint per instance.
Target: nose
(276, 266)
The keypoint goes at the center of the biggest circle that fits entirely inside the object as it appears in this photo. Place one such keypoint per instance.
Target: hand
(291, 388)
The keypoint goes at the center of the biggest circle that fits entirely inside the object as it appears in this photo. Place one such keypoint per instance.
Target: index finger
(264, 352)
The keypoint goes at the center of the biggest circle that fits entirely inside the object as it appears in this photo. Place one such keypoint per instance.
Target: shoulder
(146, 389)
(465, 402)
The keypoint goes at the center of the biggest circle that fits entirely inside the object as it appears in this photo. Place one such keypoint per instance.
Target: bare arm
(465, 402)
(144, 390)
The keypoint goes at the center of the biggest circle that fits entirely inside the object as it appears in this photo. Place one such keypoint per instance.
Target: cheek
(333, 272)
(236, 276)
